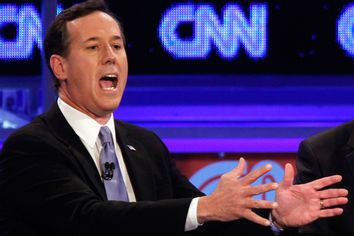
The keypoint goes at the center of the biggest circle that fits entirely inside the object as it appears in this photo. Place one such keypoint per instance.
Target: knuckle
(224, 176)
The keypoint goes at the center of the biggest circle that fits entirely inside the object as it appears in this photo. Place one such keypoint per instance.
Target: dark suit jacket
(328, 153)
(49, 185)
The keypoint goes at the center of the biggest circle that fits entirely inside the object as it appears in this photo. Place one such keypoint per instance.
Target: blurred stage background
(216, 80)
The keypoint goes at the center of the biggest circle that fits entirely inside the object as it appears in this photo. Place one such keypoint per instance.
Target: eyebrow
(115, 37)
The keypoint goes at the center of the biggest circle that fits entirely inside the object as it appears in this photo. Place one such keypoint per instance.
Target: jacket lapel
(350, 154)
(138, 167)
(60, 128)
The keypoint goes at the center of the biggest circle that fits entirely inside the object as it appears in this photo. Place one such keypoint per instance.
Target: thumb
(288, 175)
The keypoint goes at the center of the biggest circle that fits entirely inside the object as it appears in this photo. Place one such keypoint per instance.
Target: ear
(57, 63)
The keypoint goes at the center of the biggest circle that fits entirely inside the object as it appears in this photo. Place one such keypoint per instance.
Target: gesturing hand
(302, 204)
(232, 198)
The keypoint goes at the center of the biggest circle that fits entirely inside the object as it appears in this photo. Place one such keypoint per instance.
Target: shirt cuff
(192, 218)
(274, 226)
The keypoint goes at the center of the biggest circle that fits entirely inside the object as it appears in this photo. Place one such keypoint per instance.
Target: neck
(102, 119)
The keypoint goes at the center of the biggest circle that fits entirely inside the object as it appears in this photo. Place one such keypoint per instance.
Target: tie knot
(105, 135)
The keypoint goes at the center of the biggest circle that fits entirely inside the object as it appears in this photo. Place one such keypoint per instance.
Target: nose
(108, 55)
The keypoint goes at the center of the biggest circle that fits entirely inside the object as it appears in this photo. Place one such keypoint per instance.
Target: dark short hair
(57, 37)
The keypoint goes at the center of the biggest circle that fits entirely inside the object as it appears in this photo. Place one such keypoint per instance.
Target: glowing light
(29, 31)
(345, 30)
(227, 36)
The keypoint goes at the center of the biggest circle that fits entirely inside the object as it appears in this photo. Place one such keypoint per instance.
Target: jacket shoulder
(332, 138)
(130, 128)
(34, 131)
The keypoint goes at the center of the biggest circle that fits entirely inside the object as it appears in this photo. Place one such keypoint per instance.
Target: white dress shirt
(87, 129)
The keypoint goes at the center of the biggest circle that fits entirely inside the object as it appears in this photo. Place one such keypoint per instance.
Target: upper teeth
(111, 76)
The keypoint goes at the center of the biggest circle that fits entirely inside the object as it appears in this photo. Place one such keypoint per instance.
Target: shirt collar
(83, 125)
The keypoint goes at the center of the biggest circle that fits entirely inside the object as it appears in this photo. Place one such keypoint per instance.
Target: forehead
(97, 24)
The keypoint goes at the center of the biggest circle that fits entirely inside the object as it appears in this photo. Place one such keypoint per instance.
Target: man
(327, 153)
(53, 180)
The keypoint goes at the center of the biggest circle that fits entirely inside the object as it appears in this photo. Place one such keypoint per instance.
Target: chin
(111, 107)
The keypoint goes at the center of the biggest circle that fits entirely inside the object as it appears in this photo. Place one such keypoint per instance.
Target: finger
(251, 216)
(255, 174)
(330, 212)
(238, 171)
(334, 202)
(261, 204)
(288, 175)
(326, 181)
(261, 189)
(332, 193)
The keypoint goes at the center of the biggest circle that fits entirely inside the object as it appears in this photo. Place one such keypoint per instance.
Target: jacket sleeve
(15, 227)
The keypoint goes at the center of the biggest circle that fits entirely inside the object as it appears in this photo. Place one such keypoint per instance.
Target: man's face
(96, 68)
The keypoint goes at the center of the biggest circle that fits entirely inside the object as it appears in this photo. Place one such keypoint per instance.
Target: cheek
(78, 70)
(124, 61)
(83, 81)
(87, 74)
(124, 71)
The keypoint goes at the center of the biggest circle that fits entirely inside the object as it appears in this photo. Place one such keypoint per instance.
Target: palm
(302, 201)
(301, 204)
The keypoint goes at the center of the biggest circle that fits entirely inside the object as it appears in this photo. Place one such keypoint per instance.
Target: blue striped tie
(111, 174)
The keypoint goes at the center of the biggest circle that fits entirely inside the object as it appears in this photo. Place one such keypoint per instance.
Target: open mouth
(109, 82)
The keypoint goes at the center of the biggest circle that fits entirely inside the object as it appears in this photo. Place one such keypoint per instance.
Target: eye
(92, 48)
(117, 46)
